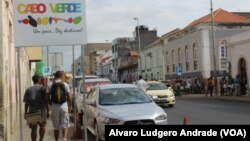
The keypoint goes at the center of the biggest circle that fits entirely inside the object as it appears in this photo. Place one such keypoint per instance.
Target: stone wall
(10, 97)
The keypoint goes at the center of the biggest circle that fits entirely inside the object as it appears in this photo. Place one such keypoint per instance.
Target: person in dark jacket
(35, 100)
(210, 87)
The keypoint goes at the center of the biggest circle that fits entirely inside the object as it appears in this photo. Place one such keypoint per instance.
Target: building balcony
(128, 62)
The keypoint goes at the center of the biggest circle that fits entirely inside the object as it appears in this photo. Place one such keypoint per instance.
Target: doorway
(242, 71)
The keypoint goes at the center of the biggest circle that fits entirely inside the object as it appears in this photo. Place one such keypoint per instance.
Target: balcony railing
(127, 62)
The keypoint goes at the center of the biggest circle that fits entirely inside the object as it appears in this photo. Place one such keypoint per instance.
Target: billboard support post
(73, 87)
(84, 97)
(20, 95)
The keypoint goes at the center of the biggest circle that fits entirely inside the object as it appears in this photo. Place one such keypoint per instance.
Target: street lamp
(163, 59)
(139, 44)
(213, 44)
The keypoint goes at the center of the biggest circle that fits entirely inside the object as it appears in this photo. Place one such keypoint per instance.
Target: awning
(133, 53)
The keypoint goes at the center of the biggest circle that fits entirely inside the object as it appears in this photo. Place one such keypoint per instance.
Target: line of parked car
(122, 104)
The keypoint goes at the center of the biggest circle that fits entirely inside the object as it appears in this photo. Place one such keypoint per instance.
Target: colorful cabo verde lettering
(31, 8)
(65, 7)
(41, 8)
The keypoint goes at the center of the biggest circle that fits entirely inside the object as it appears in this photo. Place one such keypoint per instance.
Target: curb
(243, 99)
(234, 99)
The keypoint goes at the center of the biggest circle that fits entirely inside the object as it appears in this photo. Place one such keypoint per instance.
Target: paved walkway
(49, 134)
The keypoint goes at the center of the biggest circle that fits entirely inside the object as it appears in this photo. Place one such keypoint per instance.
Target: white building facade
(192, 48)
(238, 55)
(153, 61)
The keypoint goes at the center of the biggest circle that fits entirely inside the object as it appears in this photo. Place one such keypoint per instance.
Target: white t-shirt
(142, 84)
(64, 105)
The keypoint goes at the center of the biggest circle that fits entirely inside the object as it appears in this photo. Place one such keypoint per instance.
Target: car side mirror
(154, 97)
(170, 88)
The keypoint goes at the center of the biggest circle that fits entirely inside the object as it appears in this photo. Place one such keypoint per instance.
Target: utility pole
(139, 45)
(213, 44)
(163, 59)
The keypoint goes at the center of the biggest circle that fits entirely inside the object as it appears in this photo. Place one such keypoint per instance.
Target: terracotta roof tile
(220, 16)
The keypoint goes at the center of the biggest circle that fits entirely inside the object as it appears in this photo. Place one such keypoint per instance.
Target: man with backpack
(59, 97)
(35, 102)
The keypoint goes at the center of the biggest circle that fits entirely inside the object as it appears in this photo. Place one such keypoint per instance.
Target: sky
(110, 19)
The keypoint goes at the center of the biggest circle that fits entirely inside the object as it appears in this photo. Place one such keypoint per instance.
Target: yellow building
(35, 53)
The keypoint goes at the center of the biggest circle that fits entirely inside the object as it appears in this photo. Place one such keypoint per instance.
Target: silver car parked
(121, 104)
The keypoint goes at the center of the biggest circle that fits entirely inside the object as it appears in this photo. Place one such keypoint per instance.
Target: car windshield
(156, 86)
(90, 85)
(120, 96)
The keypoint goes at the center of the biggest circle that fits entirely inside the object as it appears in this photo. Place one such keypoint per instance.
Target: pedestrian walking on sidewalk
(142, 83)
(222, 86)
(60, 99)
(210, 87)
(35, 100)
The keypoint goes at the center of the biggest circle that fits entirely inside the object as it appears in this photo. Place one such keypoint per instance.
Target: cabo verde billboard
(49, 22)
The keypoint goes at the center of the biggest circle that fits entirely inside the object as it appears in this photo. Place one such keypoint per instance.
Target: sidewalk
(244, 98)
(49, 132)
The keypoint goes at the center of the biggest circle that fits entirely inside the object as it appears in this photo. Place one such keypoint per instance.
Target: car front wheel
(171, 105)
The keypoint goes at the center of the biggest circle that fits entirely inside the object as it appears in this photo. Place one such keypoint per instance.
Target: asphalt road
(202, 110)
(205, 111)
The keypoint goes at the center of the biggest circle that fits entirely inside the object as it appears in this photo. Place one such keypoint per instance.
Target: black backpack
(58, 93)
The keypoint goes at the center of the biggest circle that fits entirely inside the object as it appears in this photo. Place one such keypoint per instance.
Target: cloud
(112, 19)
(109, 19)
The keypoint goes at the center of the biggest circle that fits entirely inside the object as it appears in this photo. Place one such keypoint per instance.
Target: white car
(162, 95)
(122, 104)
